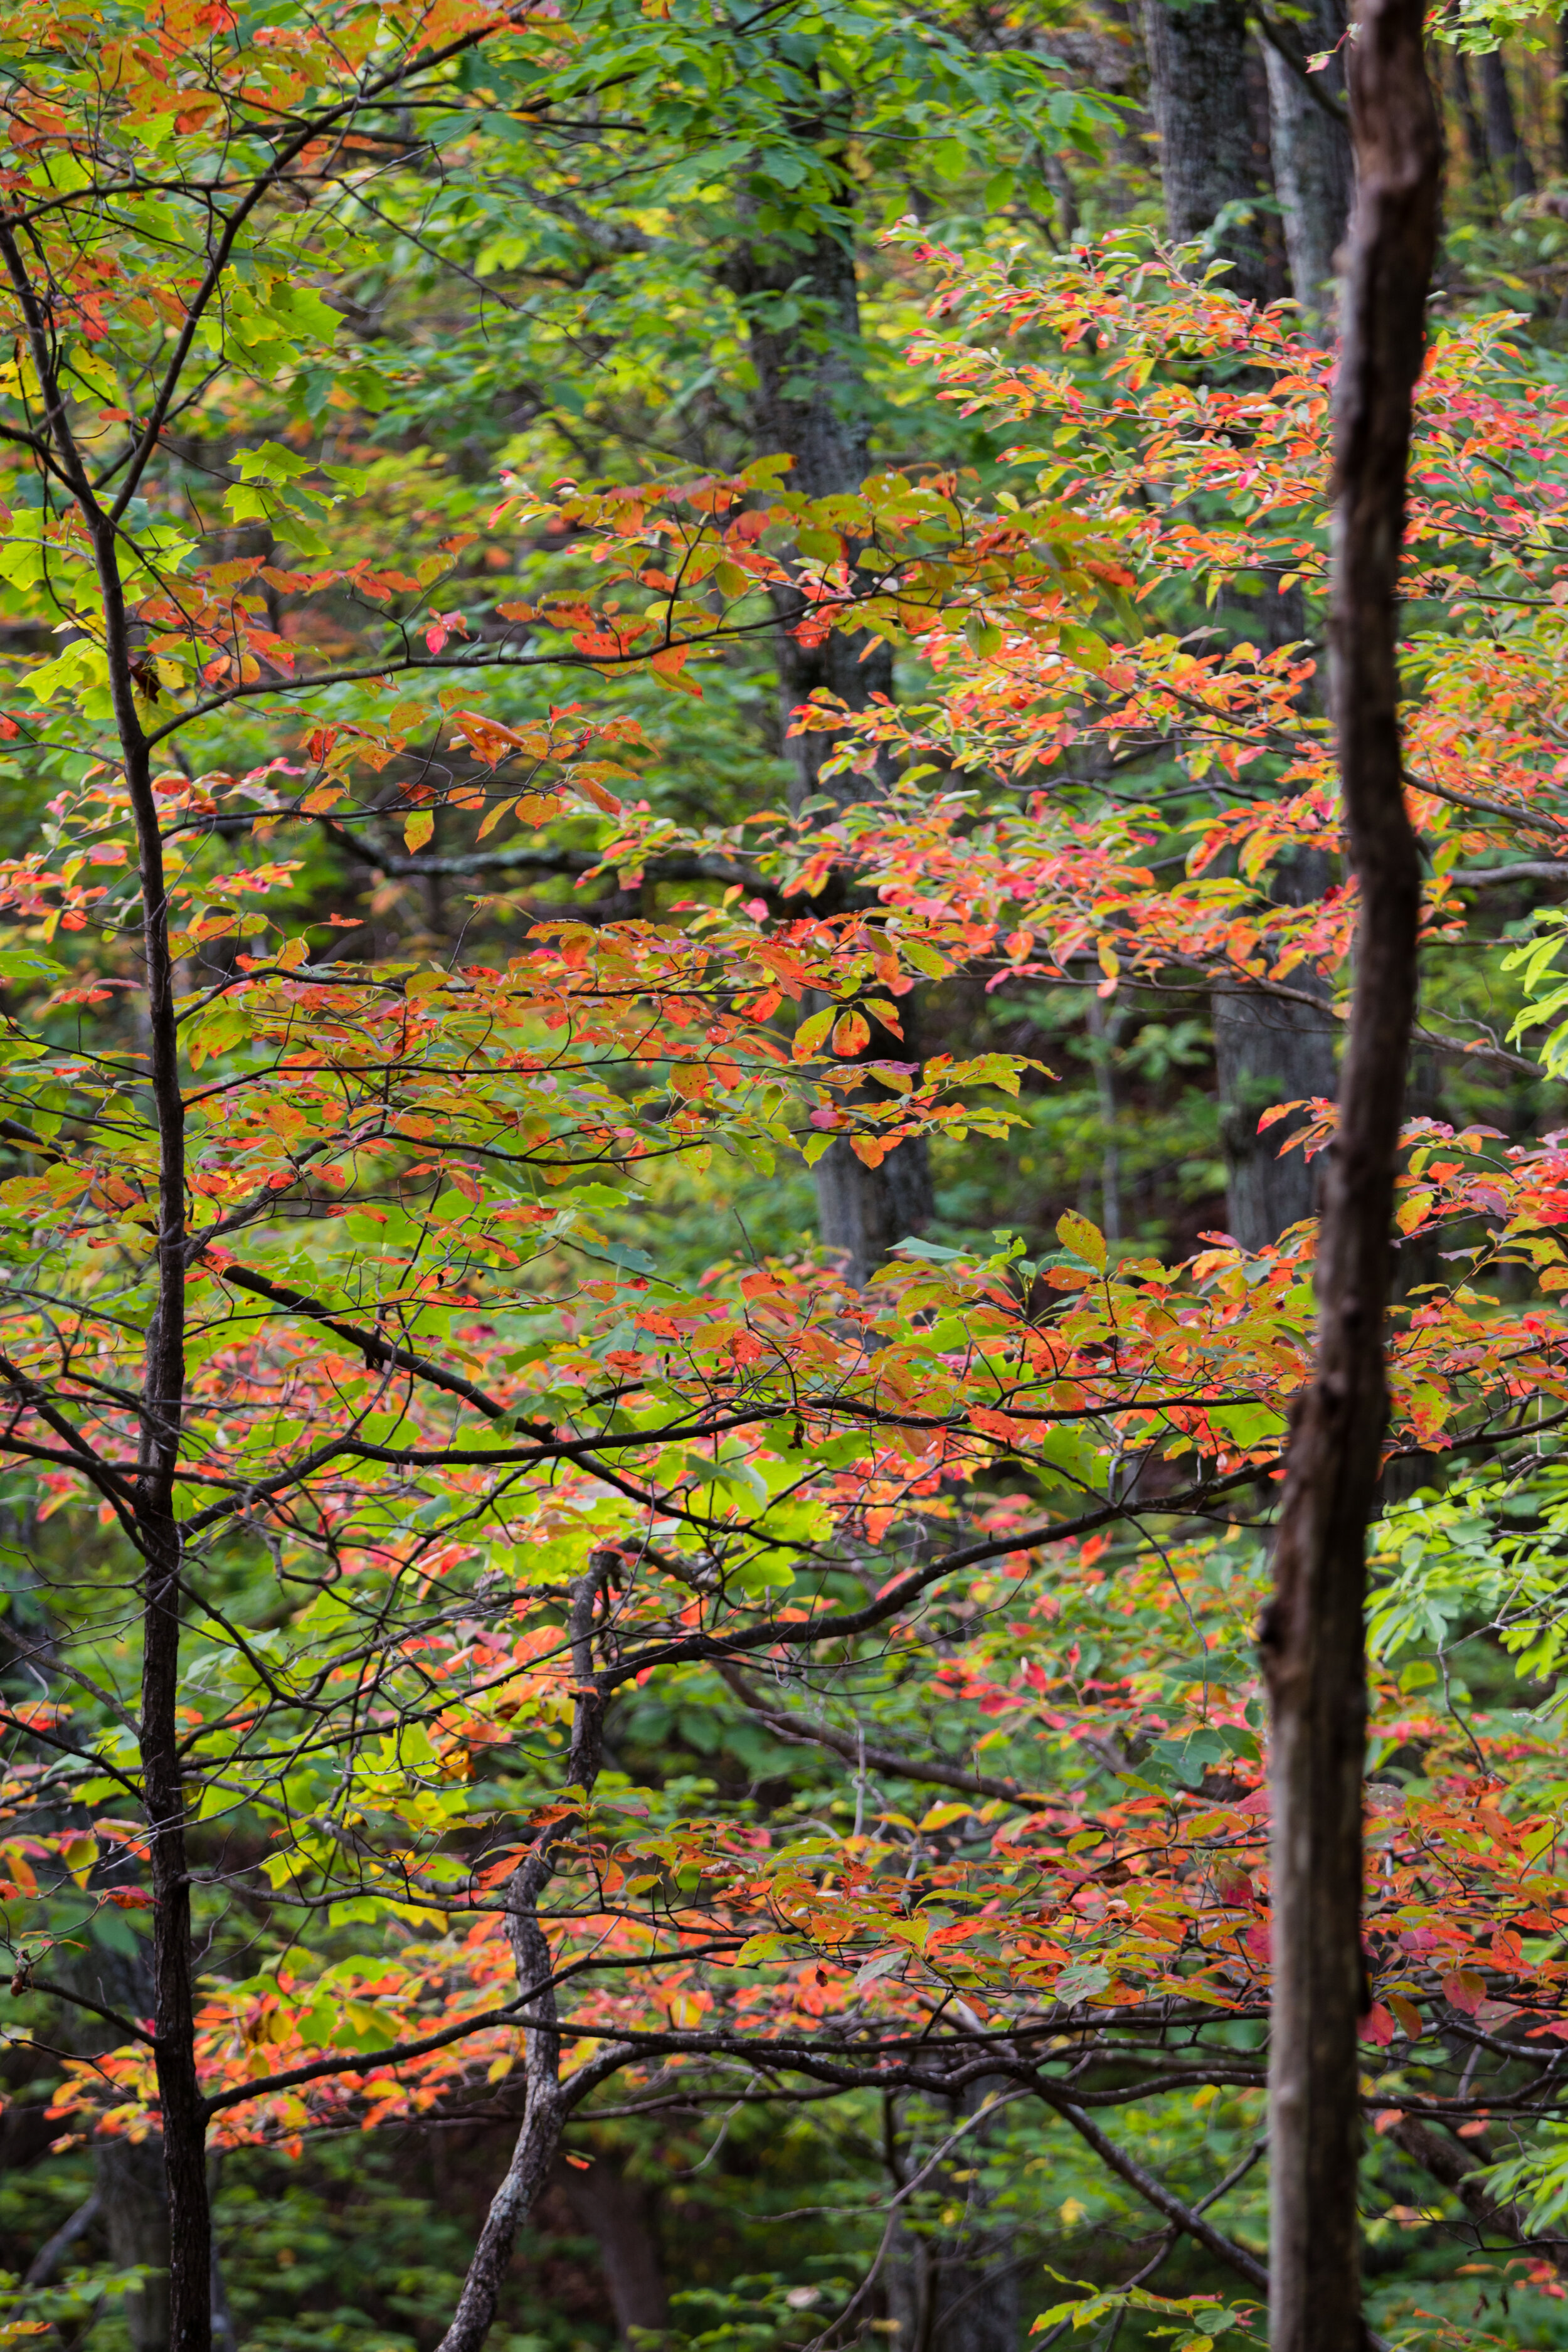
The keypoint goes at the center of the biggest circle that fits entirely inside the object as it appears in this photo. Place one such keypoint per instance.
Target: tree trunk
(1198, 66)
(135, 2208)
(1265, 1052)
(1312, 172)
(801, 304)
(955, 2289)
(131, 2198)
(545, 2108)
(1510, 155)
(1267, 1049)
(1469, 115)
(1312, 1635)
(614, 2209)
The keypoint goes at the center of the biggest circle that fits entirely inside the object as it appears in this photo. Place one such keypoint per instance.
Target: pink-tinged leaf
(1464, 1990)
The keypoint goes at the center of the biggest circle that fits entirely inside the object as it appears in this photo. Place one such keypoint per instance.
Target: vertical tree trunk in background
(1198, 64)
(1312, 170)
(1267, 1051)
(1198, 58)
(1469, 115)
(1563, 96)
(131, 2194)
(803, 316)
(135, 2208)
(614, 2209)
(955, 2288)
(1510, 156)
(1312, 1635)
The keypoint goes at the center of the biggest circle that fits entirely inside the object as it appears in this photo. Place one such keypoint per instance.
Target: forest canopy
(691, 951)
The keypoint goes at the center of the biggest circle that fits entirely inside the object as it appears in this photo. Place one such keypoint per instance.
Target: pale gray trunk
(1269, 1050)
(1311, 151)
(1199, 73)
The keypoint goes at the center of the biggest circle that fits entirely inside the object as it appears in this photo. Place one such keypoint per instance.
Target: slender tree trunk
(163, 1395)
(1312, 1636)
(1510, 155)
(1199, 57)
(545, 2108)
(801, 304)
(1312, 171)
(162, 1402)
(1563, 96)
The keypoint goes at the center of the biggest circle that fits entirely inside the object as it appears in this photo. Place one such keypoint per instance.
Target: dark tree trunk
(1267, 1051)
(135, 2210)
(1312, 169)
(1469, 115)
(955, 2288)
(129, 2204)
(615, 2210)
(1199, 64)
(1510, 155)
(800, 305)
(1312, 1636)
(802, 309)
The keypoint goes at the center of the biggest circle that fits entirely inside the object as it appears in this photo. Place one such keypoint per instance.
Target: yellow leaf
(939, 1817)
(1084, 1240)
(418, 830)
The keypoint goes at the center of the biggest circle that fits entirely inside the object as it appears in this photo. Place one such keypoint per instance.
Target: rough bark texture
(615, 2210)
(1312, 1635)
(1313, 167)
(545, 2102)
(801, 306)
(1198, 64)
